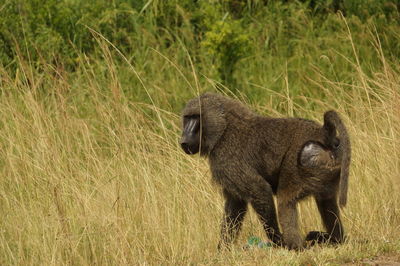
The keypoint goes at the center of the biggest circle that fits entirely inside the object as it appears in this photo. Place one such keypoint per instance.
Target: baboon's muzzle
(190, 141)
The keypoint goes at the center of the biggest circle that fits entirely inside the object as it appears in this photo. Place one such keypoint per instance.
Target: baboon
(255, 157)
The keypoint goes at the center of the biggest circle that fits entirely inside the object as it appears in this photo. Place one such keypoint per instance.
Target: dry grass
(91, 178)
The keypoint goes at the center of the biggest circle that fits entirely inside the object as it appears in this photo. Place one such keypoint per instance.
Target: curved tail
(333, 123)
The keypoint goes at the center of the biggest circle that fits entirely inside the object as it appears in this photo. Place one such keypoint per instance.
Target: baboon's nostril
(186, 148)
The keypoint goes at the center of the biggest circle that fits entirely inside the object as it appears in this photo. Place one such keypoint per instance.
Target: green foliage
(227, 42)
(265, 40)
(367, 8)
(57, 30)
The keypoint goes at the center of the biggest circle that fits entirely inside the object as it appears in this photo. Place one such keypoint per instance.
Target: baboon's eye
(191, 117)
(194, 116)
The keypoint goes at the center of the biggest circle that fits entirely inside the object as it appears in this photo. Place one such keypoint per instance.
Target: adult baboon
(253, 157)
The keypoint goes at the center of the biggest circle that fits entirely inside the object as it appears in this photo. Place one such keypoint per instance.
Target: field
(91, 168)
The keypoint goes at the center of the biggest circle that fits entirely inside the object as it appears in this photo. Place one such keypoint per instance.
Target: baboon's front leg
(235, 210)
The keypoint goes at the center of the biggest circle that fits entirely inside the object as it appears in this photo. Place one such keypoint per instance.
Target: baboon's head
(203, 124)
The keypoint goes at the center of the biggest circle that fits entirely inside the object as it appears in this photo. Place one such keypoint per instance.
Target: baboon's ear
(313, 154)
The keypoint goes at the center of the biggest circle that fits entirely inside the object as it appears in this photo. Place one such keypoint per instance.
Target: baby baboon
(253, 157)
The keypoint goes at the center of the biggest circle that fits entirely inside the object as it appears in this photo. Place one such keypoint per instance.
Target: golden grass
(94, 179)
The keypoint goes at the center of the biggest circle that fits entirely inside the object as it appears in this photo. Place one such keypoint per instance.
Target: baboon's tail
(332, 122)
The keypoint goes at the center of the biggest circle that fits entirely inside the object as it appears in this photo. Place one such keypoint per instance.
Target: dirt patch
(384, 260)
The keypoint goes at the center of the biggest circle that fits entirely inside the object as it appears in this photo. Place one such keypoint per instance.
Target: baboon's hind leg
(263, 204)
(288, 219)
(330, 215)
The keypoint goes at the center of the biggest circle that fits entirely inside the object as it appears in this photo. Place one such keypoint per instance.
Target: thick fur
(255, 157)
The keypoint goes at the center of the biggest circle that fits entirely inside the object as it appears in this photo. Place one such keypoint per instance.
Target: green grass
(92, 172)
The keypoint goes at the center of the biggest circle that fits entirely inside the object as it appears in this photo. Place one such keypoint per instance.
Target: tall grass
(93, 175)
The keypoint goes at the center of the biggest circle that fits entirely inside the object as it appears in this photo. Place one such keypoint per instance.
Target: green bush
(227, 42)
(221, 36)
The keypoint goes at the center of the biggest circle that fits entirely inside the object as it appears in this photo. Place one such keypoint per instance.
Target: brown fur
(254, 157)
